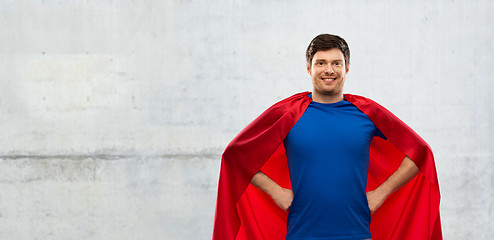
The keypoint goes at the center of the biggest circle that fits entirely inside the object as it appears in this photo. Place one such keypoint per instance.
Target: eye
(320, 63)
(337, 63)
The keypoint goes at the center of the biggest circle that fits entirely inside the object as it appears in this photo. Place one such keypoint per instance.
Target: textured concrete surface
(114, 114)
(125, 197)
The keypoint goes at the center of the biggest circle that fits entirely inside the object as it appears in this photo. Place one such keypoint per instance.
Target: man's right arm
(283, 197)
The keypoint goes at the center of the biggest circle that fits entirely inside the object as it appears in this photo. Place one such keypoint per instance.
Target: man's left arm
(406, 172)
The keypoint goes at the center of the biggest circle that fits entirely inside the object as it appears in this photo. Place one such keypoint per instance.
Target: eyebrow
(324, 60)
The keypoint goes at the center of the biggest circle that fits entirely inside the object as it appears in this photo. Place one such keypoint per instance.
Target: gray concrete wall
(114, 114)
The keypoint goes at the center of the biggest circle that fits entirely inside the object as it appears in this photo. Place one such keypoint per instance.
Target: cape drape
(244, 212)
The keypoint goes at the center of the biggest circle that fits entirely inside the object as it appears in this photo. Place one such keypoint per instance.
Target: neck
(322, 98)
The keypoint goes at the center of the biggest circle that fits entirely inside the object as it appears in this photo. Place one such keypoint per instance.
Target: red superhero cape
(244, 212)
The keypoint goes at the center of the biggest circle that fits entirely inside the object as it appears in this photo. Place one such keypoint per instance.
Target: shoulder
(290, 102)
(296, 97)
(363, 102)
(354, 97)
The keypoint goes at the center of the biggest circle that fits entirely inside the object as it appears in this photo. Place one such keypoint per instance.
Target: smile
(327, 79)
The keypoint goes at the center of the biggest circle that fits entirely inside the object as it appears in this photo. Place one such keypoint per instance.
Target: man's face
(328, 71)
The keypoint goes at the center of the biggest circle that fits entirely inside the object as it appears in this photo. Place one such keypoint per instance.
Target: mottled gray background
(114, 114)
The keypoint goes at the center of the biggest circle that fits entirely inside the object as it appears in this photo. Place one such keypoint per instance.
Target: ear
(308, 69)
(347, 68)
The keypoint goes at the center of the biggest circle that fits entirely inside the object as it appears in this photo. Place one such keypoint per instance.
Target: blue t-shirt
(328, 158)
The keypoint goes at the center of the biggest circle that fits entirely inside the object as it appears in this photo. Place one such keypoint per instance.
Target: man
(324, 139)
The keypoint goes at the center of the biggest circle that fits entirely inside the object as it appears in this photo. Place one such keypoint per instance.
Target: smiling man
(327, 161)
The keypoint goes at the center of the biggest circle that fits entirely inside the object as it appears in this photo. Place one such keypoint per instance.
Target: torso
(328, 157)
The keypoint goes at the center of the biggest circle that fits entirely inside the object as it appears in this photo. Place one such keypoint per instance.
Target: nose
(329, 69)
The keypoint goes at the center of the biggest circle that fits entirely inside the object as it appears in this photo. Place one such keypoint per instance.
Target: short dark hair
(327, 42)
